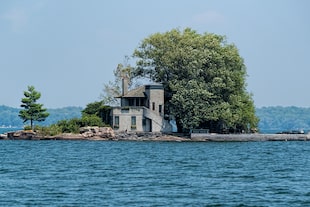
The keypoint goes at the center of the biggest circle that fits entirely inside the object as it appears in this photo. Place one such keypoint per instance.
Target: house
(141, 110)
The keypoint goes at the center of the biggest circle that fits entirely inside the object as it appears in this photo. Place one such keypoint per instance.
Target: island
(108, 134)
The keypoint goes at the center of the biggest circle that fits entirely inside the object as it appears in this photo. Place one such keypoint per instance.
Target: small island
(108, 134)
(197, 81)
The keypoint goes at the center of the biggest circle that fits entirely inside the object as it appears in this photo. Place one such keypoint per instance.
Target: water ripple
(69, 173)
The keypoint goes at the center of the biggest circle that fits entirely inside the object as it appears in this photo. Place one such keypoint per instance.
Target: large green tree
(203, 76)
(32, 111)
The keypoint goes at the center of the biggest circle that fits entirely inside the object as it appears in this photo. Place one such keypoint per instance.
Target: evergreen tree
(33, 111)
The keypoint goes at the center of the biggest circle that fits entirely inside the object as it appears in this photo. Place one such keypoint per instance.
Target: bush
(91, 120)
(69, 126)
(51, 130)
(74, 125)
(28, 127)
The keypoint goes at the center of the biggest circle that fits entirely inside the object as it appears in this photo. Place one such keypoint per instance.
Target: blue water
(5, 130)
(90, 173)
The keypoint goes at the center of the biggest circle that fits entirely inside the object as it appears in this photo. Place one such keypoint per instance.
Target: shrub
(69, 126)
(28, 127)
(51, 130)
(91, 120)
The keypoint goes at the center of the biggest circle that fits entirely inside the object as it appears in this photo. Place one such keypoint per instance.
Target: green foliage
(91, 120)
(74, 125)
(51, 130)
(93, 108)
(92, 115)
(33, 111)
(98, 109)
(69, 126)
(27, 127)
(193, 100)
(203, 77)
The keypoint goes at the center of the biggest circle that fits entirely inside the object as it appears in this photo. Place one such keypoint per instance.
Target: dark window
(131, 102)
(141, 102)
(160, 108)
(125, 110)
(116, 121)
(153, 106)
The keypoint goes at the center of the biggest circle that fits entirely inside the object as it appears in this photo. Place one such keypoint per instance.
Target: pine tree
(33, 111)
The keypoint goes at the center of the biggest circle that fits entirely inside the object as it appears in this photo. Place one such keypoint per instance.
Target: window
(131, 102)
(133, 122)
(142, 102)
(116, 122)
(153, 106)
(125, 109)
(160, 109)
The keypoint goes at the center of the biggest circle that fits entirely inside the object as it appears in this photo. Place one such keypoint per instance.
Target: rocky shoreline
(108, 134)
(94, 133)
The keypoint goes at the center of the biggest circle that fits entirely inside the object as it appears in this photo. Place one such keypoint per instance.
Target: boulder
(22, 134)
(95, 131)
(3, 136)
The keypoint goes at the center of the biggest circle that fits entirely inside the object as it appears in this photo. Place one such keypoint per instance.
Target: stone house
(141, 110)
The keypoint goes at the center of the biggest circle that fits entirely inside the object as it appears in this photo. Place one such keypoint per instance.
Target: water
(5, 130)
(88, 173)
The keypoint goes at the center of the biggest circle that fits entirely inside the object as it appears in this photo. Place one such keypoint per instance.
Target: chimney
(124, 85)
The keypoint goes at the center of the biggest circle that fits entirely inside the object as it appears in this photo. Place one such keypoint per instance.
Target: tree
(99, 109)
(33, 111)
(203, 78)
(113, 89)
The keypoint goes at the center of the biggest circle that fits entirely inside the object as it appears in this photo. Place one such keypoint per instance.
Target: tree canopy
(203, 77)
(33, 111)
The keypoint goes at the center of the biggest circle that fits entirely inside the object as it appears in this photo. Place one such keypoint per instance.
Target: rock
(69, 136)
(3, 136)
(22, 134)
(94, 131)
(106, 132)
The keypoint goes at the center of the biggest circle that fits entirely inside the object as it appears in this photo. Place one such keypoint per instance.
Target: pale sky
(68, 49)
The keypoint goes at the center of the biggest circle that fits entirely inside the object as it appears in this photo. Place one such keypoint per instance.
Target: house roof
(136, 93)
(140, 91)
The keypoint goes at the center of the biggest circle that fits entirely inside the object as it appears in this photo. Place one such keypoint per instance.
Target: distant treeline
(278, 118)
(275, 118)
(9, 116)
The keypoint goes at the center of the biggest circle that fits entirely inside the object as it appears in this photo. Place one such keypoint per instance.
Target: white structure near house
(141, 110)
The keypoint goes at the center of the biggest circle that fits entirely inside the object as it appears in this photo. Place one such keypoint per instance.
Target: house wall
(155, 94)
(125, 114)
(149, 118)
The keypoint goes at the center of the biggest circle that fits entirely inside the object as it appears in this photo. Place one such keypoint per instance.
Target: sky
(68, 49)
